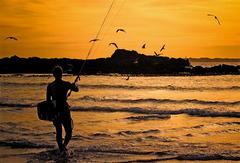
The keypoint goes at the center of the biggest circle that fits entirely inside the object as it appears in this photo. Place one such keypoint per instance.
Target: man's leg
(67, 124)
(58, 127)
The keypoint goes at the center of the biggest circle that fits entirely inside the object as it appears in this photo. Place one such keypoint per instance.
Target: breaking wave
(194, 101)
(190, 111)
(151, 156)
(137, 132)
(101, 134)
(148, 117)
(16, 105)
(130, 87)
(14, 84)
(207, 157)
(192, 157)
(24, 144)
(168, 87)
(131, 101)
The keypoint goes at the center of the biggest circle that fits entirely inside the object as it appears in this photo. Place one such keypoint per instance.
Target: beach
(143, 119)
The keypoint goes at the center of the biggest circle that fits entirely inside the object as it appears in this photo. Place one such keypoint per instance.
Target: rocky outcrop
(122, 61)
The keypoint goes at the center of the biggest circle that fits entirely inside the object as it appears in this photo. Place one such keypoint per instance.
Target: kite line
(91, 48)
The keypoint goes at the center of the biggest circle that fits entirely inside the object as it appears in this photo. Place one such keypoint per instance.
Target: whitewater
(143, 119)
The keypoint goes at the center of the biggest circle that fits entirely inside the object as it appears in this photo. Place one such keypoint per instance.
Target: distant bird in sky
(11, 38)
(120, 30)
(144, 46)
(114, 44)
(215, 17)
(156, 53)
(163, 47)
(94, 40)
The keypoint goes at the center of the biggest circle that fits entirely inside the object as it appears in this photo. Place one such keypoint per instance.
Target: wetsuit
(57, 94)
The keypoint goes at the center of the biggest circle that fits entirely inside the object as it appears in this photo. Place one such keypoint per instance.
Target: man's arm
(74, 88)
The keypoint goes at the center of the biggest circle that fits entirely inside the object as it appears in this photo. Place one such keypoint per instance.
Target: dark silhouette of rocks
(216, 70)
(122, 61)
(214, 59)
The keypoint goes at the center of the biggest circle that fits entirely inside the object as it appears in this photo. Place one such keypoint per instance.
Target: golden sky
(63, 28)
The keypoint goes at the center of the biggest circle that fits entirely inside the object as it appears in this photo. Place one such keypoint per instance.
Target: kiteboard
(45, 111)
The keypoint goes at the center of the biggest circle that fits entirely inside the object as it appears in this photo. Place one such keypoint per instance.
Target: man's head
(57, 72)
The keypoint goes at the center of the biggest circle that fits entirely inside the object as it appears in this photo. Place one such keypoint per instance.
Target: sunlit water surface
(140, 119)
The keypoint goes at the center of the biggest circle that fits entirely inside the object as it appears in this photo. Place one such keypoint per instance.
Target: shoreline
(96, 140)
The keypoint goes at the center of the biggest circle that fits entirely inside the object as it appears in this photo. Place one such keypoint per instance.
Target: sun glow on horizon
(63, 28)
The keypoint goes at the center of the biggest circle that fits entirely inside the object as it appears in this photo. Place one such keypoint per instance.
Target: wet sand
(118, 137)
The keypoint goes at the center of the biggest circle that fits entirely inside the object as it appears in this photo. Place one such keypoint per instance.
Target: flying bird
(156, 53)
(120, 30)
(11, 38)
(163, 47)
(144, 46)
(215, 17)
(94, 40)
(114, 44)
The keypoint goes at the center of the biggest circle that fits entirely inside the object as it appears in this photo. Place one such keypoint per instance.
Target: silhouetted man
(57, 95)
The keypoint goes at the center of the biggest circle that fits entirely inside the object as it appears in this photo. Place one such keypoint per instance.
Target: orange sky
(63, 28)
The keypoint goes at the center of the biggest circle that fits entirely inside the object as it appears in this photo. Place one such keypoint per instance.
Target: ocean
(143, 119)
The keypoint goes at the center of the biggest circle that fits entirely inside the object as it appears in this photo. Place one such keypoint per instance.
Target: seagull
(163, 47)
(215, 17)
(114, 44)
(12, 38)
(94, 40)
(144, 46)
(120, 30)
(156, 53)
